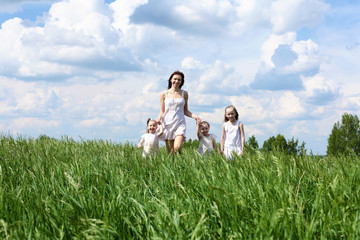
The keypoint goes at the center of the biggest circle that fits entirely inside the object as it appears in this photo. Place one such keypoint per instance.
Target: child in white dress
(151, 139)
(232, 135)
(207, 140)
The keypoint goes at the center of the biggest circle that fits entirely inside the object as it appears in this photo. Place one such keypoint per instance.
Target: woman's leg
(178, 142)
(169, 145)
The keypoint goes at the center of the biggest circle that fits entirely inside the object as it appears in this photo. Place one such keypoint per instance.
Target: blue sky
(94, 69)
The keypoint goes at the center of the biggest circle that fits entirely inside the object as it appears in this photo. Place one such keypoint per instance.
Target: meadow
(95, 189)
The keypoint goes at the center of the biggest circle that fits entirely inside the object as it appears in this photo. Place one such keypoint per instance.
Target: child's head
(178, 73)
(151, 126)
(204, 128)
(231, 113)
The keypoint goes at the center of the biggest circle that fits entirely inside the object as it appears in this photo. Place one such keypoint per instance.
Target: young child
(151, 139)
(207, 141)
(232, 135)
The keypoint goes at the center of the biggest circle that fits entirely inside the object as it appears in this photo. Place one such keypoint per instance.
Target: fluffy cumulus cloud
(319, 91)
(290, 61)
(214, 77)
(77, 36)
(95, 69)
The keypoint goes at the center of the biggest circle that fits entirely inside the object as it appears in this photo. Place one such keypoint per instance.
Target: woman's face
(176, 81)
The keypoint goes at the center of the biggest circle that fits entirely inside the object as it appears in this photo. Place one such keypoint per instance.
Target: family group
(170, 125)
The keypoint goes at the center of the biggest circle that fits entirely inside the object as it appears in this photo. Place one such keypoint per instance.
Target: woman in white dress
(173, 109)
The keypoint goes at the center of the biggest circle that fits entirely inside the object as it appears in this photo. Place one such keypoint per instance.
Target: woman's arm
(161, 130)
(186, 110)
(222, 141)
(162, 107)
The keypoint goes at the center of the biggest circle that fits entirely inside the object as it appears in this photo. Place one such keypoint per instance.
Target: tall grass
(62, 189)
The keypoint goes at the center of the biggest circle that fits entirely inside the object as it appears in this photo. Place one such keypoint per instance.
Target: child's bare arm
(222, 141)
(242, 133)
(141, 143)
(198, 130)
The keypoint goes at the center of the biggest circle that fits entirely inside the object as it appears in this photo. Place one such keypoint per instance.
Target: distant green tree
(294, 148)
(302, 149)
(280, 144)
(267, 145)
(345, 136)
(43, 137)
(252, 143)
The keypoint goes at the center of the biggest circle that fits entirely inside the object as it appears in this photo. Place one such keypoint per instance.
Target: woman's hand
(158, 121)
(197, 119)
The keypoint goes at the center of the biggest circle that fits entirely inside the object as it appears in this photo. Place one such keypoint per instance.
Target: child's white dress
(151, 144)
(206, 143)
(174, 117)
(232, 139)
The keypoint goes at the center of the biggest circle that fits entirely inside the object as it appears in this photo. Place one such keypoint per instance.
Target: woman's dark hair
(236, 113)
(182, 79)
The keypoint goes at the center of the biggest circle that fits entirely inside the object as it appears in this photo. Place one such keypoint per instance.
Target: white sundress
(232, 139)
(151, 144)
(174, 117)
(206, 143)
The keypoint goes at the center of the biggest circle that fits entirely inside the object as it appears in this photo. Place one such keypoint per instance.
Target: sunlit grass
(63, 189)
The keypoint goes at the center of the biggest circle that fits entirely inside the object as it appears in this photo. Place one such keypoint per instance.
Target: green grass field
(62, 189)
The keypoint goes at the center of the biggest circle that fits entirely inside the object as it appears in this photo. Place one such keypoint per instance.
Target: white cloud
(226, 17)
(290, 61)
(32, 125)
(307, 60)
(191, 63)
(288, 106)
(253, 130)
(252, 108)
(10, 34)
(89, 16)
(75, 35)
(122, 11)
(5, 109)
(92, 123)
(300, 129)
(320, 91)
(271, 44)
(213, 78)
(293, 15)
(215, 117)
